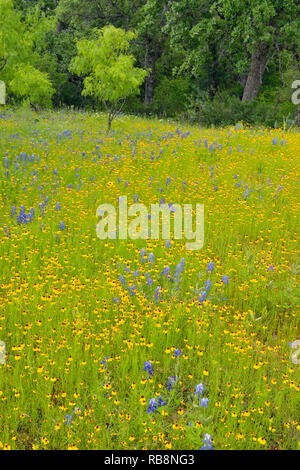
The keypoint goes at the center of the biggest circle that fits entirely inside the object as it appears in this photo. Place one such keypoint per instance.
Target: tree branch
(4, 63)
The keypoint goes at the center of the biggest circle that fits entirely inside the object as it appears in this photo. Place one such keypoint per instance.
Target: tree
(150, 22)
(18, 54)
(265, 28)
(110, 74)
(146, 18)
(246, 36)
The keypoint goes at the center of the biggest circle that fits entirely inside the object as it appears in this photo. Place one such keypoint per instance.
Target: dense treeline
(210, 61)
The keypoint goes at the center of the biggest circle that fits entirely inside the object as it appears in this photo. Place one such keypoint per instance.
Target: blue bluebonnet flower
(207, 284)
(204, 402)
(68, 418)
(62, 225)
(142, 253)
(166, 271)
(151, 258)
(157, 293)
(177, 353)
(199, 389)
(246, 194)
(148, 367)
(203, 296)
(122, 279)
(176, 275)
(210, 267)
(225, 279)
(179, 269)
(22, 218)
(30, 216)
(152, 406)
(132, 289)
(207, 442)
(7, 232)
(171, 381)
(168, 244)
(161, 402)
(104, 362)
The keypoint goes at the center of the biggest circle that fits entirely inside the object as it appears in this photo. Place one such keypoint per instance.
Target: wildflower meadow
(140, 343)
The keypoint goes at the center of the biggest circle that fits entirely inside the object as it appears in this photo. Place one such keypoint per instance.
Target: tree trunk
(109, 121)
(256, 72)
(59, 27)
(150, 79)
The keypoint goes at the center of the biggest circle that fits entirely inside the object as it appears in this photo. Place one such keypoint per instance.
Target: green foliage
(225, 109)
(18, 53)
(110, 74)
(55, 60)
(170, 96)
(191, 49)
(33, 84)
(222, 35)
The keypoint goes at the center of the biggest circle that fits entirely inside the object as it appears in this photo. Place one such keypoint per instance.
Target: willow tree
(110, 74)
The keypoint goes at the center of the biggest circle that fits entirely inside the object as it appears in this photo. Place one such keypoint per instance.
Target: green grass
(64, 309)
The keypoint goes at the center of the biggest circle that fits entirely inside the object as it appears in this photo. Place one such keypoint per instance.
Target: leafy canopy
(110, 72)
(18, 54)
